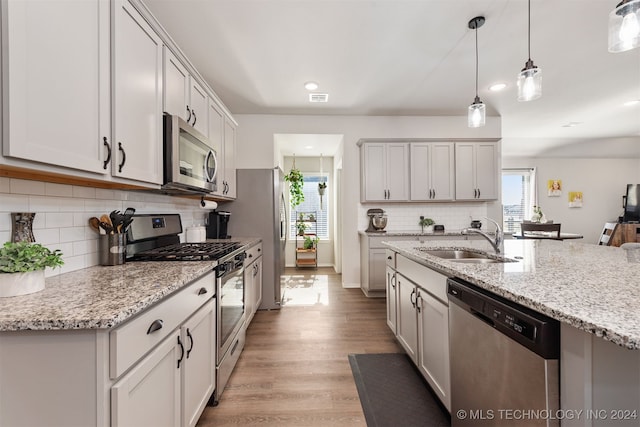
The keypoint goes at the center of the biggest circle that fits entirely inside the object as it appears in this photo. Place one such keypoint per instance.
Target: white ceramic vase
(14, 284)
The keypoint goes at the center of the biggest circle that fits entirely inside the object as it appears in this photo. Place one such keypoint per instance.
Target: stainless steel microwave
(190, 163)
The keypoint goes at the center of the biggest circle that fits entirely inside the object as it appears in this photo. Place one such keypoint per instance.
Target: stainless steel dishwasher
(504, 361)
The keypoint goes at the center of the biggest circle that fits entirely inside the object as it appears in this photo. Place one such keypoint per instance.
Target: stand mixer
(377, 221)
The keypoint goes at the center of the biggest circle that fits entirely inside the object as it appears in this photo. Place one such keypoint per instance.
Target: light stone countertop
(593, 288)
(101, 297)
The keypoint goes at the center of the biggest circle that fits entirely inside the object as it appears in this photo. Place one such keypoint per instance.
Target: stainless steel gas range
(155, 237)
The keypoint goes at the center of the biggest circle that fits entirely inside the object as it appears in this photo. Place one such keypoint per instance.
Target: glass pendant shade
(477, 114)
(624, 26)
(529, 83)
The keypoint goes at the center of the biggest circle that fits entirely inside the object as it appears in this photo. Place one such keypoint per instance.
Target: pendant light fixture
(624, 26)
(477, 113)
(530, 78)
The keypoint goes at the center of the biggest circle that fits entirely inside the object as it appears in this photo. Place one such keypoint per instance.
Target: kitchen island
(592, 290)
(77, 352)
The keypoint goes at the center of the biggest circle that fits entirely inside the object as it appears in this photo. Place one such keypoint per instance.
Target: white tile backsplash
(63, 212)
(404, 217)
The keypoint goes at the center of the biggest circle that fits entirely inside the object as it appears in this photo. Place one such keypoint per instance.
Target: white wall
(603, 182)
(63, 212)
(255, 149)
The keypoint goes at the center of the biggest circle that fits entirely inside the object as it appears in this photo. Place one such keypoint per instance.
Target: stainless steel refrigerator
(260, 211)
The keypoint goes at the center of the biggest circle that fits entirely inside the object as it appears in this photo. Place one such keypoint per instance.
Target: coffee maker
(218, 225)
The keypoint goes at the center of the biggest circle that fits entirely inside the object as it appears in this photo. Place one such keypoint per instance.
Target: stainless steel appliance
(155, 237)
(504, 360)
(218, 225)
(190, 164)
(261, 211)
(377, 221)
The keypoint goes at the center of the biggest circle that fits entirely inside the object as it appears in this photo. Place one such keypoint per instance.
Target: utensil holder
(112, 249)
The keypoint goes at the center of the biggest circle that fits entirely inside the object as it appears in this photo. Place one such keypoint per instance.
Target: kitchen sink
(465, 256)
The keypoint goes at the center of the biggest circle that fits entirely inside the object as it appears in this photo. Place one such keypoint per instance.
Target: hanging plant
(321, 187)
(296, 181)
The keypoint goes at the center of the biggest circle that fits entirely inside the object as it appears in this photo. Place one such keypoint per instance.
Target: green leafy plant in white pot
(22, 267)
(426, 222)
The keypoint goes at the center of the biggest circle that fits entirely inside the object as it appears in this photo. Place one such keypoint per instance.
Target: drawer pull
(181, 352)
(190, 339)
(156, 325)
(389, 258)
(202, 291)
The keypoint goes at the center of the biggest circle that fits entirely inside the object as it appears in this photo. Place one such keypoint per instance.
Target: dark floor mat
(393, 393)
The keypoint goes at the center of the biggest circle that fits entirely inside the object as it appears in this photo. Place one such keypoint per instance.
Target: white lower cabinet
(170, 386)
(198, 371)
(150, 393)
(253, 282)
(433, 338)
(423, 322)
(392, 310)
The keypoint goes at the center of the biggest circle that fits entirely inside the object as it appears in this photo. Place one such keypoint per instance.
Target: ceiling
(417, 57)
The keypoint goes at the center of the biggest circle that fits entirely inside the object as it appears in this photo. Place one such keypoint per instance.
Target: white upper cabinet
(137, 100)
(432, 171)
(183, 96)
(56, 65)
(198, 104)
(176, 86)
(476, 170)
(385, 171)
(229, 182)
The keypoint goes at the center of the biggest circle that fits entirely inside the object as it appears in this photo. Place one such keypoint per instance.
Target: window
(312, 204)
(518, 197)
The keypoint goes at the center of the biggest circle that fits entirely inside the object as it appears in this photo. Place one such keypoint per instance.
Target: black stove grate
(189, 252)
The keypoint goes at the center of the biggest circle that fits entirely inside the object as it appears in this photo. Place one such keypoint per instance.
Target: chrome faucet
(495, 242)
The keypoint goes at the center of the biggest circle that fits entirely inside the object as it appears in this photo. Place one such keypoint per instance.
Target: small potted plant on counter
(22, 267)
(426, 222)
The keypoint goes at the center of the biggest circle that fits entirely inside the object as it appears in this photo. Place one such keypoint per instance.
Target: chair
(531, 227)
(607, 233)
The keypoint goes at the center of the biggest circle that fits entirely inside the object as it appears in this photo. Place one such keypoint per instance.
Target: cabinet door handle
(389, 258)
(124, 157)
(181, 352)
(418, 304)
(479, 193)
(190, 339)
(202, 291)
(434, 194)
(413, 303)
(195, 119)
(393, 280)
(108, 159)
(388, 194)
(189, 114)
(156, 325)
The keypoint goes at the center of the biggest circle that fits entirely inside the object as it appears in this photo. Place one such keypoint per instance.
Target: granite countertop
(412, 233)
(593, 288)
(101, 297)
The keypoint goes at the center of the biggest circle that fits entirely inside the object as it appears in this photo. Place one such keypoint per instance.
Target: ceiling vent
(318, 97)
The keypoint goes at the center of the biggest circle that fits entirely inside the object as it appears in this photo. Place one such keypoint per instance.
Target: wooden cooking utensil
(94, 223)
(105, 219)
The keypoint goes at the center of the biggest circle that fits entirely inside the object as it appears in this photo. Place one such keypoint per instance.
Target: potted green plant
(426, 222)
(22, 267)
(296, 182)
(301, 227)
(310, 242)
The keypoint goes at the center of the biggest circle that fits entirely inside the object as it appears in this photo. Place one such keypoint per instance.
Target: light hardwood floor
(294, 369)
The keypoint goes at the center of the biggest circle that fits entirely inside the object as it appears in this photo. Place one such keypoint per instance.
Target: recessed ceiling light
(497, 87)
(311, 85)
(632, 103)
(309, 147)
